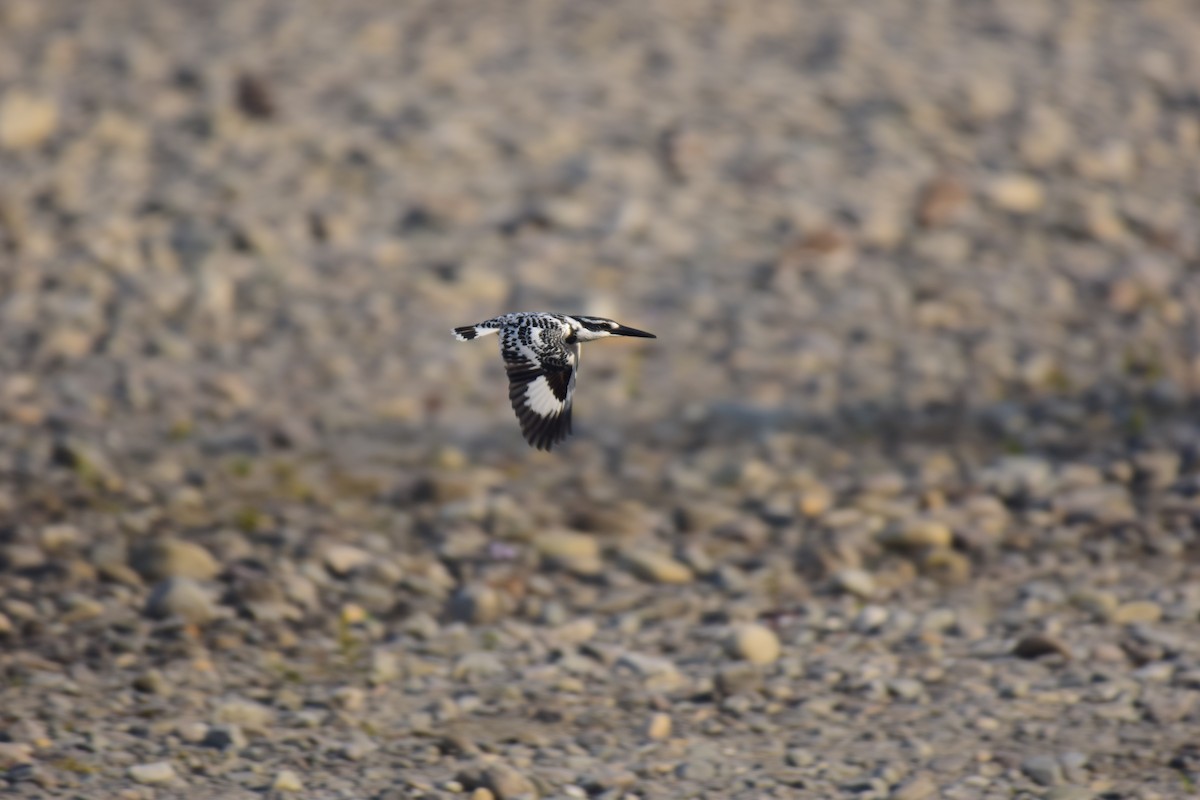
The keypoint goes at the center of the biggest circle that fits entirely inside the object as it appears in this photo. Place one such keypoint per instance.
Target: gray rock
(700, 770)
(1042, 769)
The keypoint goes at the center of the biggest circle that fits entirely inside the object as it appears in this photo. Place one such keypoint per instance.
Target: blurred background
(919, 269)
(826, 210)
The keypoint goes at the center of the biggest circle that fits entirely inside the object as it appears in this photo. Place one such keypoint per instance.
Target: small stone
(152, 682)
(359, 747)
(574, 632)
(385, 667)
(501, 779)
(342, 559)
(657, 567)
(943, 200)
(350, 698)
(14, 754)
(1100, 604)
(26, 120)
(918, 533)
(906, 688)
(57, 538)
(1018, 194)
(1047, 137)
(815, 500)
(739, 679)
(871, 618)
(989, 96)
(193, 732)
(947, 566)
(478, 604)
(799, 757)
(1137, 611)
(918, 787)
(657, 673)
(1042, 769)
(699, 770)
(248, 714)
(1074, 766)
(1038, 645)
(287, 781)
(1115, 161)
(174, 558)
(757, 644)
(567, 546)
(225, 737)
(155, 772)
(18, 557)
(183, 598)
(482, 793)
(480, 664)
(6, 626)
(659, 726)
(857, 582)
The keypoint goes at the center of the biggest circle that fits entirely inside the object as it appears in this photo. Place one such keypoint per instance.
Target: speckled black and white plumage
(541, 354)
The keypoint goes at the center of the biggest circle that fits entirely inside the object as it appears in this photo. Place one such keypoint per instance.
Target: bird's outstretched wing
(541, 381)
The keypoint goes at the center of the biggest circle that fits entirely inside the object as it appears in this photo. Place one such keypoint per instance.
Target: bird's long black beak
(621, 330)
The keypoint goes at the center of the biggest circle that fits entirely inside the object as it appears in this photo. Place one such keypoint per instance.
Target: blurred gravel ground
(902, 502)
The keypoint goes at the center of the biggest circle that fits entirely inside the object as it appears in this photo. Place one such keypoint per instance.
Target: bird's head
(590, 328)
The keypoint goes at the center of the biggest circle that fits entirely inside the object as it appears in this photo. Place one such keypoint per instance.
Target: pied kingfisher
(541, 354)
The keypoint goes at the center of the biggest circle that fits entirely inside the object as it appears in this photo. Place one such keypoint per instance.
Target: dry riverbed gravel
(902, 503)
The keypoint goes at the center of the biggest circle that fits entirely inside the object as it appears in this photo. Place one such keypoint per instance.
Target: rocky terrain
(902, 503)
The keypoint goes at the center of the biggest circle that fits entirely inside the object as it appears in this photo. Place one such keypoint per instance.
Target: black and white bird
(541, 354)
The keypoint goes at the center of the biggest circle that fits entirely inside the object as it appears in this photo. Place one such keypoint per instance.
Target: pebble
(1137, 611)
(1043, 769)
(655, 671)
(174, 558)
(13, 754)
(502, 780)
(183, 598)
(342, 559)
(152, 773)
(739, 678)
(1038, 645)
(1018, 194)
(659, 726)
(287, 781)
(757, 644)
(698, 770)
(478, 604)
(918, 533)
(567, 546)
(26, 120)
(918, 787)
(247, 714)
(657, 567)
(225, 737)
(857, 582)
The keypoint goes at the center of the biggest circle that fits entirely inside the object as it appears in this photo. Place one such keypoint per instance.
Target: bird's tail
(468, 332)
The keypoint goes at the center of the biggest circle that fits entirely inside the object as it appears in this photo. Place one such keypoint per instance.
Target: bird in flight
(541, 355)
